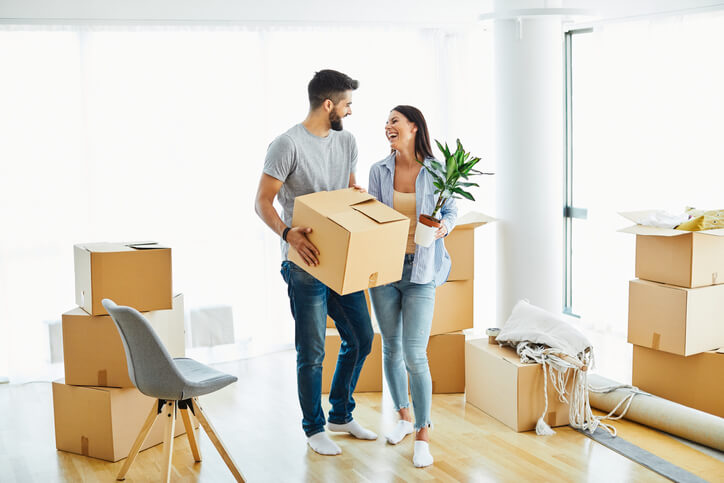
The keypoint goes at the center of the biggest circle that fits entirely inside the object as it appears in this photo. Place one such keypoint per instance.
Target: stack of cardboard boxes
(676, 316)
(98, 411)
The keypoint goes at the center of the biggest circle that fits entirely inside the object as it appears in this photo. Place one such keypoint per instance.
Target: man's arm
(264, 207)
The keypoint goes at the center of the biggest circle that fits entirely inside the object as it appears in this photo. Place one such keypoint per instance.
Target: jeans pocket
(285, 271)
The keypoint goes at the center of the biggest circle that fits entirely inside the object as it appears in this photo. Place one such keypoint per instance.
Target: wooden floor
(259, 420)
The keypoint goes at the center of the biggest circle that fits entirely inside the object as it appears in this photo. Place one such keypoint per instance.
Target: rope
(580, 414)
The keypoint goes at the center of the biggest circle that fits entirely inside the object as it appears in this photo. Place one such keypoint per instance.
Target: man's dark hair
(329, 84)
(422, 137)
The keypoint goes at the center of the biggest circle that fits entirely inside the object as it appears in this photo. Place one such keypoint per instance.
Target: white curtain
(128, 133)
(647, 134)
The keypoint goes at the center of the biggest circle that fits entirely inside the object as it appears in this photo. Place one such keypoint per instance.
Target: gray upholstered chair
(175, 383)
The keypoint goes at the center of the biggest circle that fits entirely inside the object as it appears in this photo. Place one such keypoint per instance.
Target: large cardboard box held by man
(370, 378)
(133, 274)
(446, 358)
(93, 351)
(103, 422)
(361, 241)
(694, 381)
(508, 390)
(679, 320)
(677, 257)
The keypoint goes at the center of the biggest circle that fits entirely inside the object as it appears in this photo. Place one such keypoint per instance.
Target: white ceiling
(393, 12)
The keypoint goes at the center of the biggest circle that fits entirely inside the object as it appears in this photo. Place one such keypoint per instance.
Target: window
(644, 124)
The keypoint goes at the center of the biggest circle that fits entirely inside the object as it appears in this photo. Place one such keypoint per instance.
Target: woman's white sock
(402, 429)
(352, 428)
(321, 443)
(422, 457)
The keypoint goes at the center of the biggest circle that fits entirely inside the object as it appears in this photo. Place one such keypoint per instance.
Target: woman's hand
(441, 232)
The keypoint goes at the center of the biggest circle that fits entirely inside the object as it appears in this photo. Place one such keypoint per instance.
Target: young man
(318, 155)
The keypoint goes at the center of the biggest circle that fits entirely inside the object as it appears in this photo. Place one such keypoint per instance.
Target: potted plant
(449, 180)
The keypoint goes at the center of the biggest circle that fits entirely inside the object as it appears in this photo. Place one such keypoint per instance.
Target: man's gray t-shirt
(306, 163)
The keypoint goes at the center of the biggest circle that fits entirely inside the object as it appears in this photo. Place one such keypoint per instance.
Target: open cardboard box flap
(379, 212)
(329, 202)
(365, 213)
(112, 247)
(472, 220)
(639, 229)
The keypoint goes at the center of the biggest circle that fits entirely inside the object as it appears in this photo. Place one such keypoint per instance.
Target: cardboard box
(370, 378)
(694, 381)
(133, 274)
(103, 422)
(679, 320)
(446, 357)
(453, 307)
(93, 350)
(360, 240)
(460, 244)
(677, 257)
(330, 322)
(508, 390)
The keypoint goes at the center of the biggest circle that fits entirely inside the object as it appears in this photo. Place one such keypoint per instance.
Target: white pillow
(530, 323)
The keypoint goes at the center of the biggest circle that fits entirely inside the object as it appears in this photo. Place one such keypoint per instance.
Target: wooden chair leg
(145, 429)
(191, 434)
(170, 414)
(211, 432)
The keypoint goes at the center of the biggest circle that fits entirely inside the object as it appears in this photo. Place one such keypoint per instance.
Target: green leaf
(464, 193)
(436, 166)
(451, 166)
(445, 150)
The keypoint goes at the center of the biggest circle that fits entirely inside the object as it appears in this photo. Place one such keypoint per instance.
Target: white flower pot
(424, 235)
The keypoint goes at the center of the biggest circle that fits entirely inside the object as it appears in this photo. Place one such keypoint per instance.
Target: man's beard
(335, 121)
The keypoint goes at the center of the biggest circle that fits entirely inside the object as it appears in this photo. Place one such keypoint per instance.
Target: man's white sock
(422, 457)
(402, 429)
(321, 443)
(352, 428)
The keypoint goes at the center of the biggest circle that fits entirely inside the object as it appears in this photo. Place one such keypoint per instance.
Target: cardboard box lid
(472, 220)
(639, 229)
(113, 247)
(330, 202)
(350, 209)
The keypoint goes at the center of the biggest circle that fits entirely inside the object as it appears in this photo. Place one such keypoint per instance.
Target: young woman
(404, 309)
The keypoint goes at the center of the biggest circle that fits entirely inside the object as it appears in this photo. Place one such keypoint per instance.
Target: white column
(530, 166)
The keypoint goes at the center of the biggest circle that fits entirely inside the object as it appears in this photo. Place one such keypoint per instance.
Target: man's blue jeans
(311, 301)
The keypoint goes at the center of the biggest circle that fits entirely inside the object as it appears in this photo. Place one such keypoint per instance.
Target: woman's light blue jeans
(404, 312)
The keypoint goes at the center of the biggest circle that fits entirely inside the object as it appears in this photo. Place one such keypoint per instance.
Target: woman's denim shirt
(431, 263)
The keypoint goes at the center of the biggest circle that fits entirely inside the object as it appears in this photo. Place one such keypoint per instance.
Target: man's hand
(297, 239)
